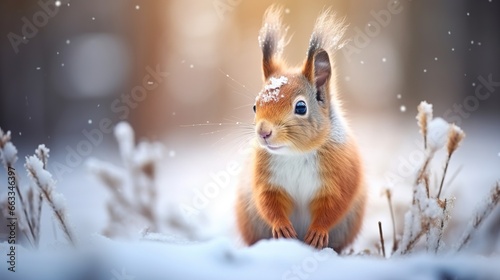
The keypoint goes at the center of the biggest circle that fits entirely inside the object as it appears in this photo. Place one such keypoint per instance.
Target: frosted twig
(423, 176)
(8, 156)
(133, 187)
(42, 153)
(412, 242)
(482, 212)
(417, 220)
(442, 225)
(34, 208)
(43, 179)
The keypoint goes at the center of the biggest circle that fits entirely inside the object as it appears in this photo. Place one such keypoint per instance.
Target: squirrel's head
(293, 110)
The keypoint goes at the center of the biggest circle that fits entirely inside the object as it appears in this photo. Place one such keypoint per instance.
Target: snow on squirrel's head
(293, 110)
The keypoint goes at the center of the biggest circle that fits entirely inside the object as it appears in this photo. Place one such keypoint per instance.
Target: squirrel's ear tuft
(272, 40)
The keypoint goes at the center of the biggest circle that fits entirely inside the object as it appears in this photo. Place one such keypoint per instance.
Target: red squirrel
(306, 177)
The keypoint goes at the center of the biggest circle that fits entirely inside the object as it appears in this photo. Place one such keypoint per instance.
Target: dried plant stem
(423, 176)
(57, 212)
(38, 217)
(31, 238)
(423, 170)
(481, 214)
(394, 239)
(441, 227)
(381, 234)
(444, 175)
(426, 184)
(412, 242)
(35, 206)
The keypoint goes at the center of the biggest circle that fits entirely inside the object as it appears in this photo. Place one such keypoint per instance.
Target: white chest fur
(299, 176)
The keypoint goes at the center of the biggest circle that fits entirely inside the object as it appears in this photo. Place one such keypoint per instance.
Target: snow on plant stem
(424, 116)
(482, 211)
(8, 152)
(45, 183)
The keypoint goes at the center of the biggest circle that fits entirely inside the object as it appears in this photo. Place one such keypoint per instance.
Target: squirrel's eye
(254, 109)
(300, 108)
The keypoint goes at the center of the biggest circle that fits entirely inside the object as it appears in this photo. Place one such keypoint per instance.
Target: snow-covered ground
(200, 242)
(219, 259)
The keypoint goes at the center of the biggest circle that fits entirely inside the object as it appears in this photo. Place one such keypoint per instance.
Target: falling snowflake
(402, 108)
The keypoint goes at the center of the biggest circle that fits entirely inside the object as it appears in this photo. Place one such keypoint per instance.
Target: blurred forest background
(92, 52)
(83, 63)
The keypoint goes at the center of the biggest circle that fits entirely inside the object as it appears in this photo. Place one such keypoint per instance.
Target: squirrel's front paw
(317, 238)
(285, 230)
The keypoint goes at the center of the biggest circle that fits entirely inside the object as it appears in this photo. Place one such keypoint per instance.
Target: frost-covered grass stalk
(8, 156)
(31, 201)
(43, 180)
(428, 214)
(455, 136)
(423, 117)
(134, 188)
(483, 210)
(36, 199)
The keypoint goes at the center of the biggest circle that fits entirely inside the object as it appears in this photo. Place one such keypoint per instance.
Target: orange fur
(342, 185)
(318, 143)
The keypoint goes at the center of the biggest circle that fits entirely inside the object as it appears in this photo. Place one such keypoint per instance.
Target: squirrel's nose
(265, 133)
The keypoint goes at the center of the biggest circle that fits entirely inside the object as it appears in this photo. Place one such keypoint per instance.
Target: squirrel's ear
(318, 71)
(322, 68)
(272, 40)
